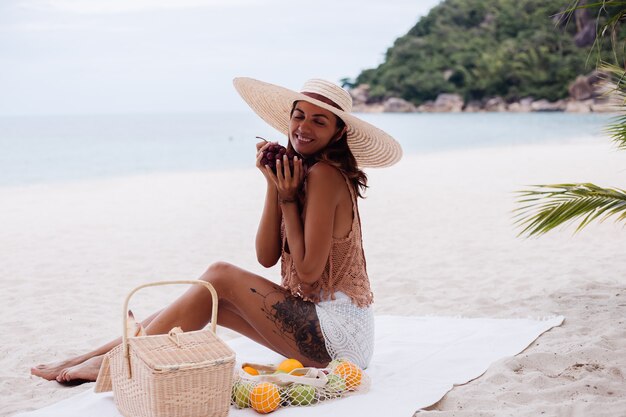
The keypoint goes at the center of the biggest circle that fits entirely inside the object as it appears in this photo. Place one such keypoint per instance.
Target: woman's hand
(260, 148)
(288, 183)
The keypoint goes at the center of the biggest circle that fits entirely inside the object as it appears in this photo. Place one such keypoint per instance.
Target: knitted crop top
(345, 269)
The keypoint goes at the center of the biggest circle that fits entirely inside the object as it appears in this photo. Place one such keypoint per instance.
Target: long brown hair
(338, 154)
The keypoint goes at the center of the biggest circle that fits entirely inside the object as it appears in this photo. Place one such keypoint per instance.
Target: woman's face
(311, 128)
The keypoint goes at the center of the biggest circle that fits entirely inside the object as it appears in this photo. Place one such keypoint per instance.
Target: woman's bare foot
(51, 371)
(83, 372)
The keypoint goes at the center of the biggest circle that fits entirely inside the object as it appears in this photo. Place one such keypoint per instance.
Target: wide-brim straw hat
(371, 146)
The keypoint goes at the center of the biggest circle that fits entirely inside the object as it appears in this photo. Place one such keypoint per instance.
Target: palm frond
(608, 16)
(617, 130)
(612, 9)
(548, 206)
(613, 87)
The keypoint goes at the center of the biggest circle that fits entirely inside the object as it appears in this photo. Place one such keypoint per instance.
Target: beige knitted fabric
(345, 269)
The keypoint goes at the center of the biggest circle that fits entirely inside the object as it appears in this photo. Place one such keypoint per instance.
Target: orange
(351, 373)
(265, 397)
(250, 370)
(289, 365)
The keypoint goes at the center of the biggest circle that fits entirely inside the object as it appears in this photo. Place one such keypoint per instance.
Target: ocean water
(50, 149)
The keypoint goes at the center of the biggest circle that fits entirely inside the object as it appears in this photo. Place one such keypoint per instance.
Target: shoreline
(438, 236)
(574, 107)
(238, 170)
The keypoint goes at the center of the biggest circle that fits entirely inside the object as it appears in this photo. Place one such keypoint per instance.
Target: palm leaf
(614, 86)
(548, 206)
(613, 10)
(608, 14)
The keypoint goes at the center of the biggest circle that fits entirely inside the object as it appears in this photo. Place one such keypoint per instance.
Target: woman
(310, 222)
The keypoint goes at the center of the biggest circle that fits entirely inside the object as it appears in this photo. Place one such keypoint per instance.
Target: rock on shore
(586, 94)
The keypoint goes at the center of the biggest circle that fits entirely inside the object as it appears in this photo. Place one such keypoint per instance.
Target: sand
(438, 234)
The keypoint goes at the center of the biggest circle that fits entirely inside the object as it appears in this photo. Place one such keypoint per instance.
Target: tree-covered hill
(486, 48)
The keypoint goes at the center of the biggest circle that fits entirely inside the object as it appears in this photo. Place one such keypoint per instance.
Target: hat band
(322, 99)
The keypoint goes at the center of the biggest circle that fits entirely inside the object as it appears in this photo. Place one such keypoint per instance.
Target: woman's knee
(216, 269)
(217, 273)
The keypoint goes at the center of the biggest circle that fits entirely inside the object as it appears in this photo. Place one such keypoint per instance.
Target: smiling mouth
(303, 139)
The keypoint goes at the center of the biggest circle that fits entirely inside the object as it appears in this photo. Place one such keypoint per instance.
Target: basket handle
(159, 283)
(314, 377)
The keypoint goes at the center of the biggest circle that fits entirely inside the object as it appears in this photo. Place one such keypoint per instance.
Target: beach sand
(438, 235)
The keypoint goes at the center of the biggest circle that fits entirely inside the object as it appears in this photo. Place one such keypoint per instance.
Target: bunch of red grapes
(275, 151)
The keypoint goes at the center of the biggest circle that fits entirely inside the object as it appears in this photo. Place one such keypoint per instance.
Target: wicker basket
(171, 375)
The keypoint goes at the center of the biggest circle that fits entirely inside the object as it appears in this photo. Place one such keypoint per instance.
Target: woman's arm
(268, 244)
(310, 243)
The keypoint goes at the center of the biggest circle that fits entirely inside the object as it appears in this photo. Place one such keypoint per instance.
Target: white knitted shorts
(348, 330)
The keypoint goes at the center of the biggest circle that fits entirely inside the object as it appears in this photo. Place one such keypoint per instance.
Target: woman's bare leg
(249, 304)
(53, 370)
(88, 369)
(262, 310)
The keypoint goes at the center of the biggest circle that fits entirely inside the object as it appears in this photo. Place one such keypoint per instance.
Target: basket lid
(181, 350)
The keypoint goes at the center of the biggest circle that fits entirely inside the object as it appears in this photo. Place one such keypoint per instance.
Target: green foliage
(616, 83)
(549, 206)
(485, 48)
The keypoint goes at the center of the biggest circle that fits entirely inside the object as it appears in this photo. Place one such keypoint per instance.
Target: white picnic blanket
(416, 361)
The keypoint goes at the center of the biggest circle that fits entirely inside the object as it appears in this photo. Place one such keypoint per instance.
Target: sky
(159, 56)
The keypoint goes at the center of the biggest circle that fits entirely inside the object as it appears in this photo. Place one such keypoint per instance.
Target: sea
(61, 148)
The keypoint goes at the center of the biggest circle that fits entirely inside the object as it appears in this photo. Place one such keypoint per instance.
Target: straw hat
(370, 146)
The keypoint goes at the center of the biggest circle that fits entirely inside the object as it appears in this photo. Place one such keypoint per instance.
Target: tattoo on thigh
(297, 319)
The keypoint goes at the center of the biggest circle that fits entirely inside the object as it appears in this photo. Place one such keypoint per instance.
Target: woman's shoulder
(325, 178)
(324, 171)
